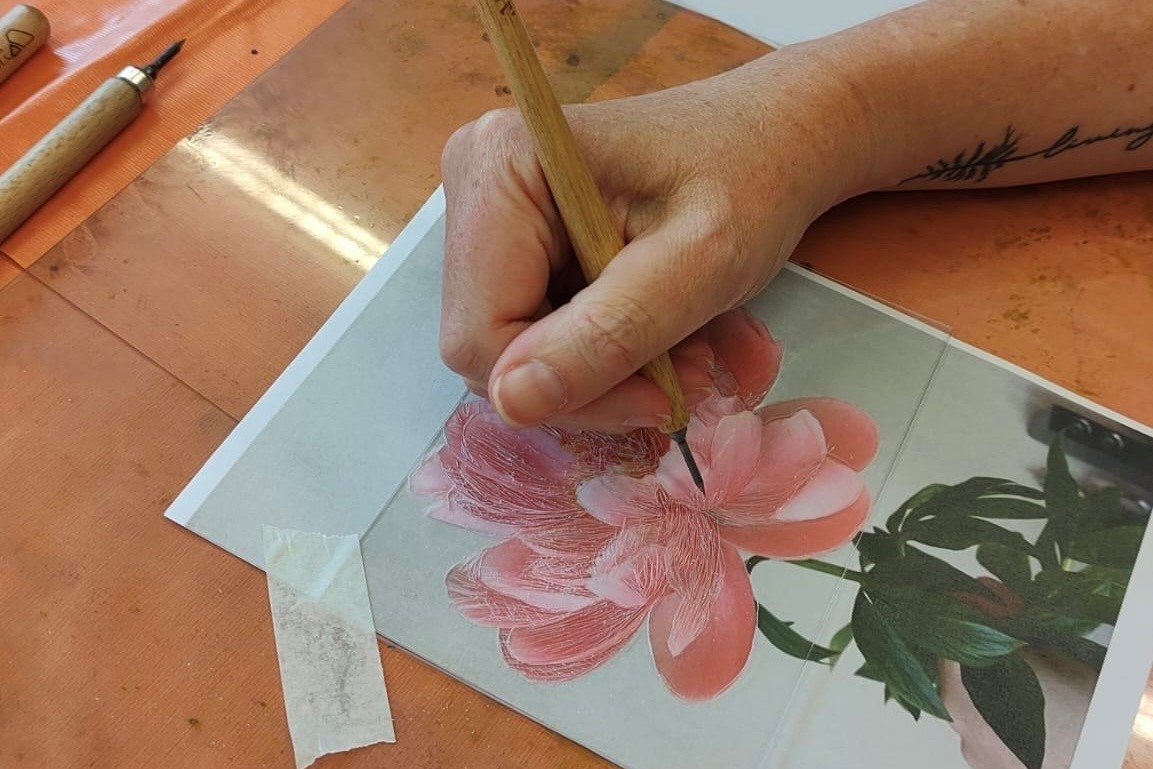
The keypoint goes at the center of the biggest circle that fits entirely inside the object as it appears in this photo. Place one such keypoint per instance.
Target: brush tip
(681, 439)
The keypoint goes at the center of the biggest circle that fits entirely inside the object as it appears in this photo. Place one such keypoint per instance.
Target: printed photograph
(895, 534)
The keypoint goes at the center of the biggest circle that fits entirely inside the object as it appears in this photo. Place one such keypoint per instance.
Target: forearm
(975, 93)
(1002, 92)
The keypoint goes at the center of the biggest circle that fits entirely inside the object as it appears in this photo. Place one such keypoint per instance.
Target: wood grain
(24, 30)
(69, 146)
(595, 236)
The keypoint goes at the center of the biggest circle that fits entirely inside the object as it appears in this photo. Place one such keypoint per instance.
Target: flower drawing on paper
(603, 537)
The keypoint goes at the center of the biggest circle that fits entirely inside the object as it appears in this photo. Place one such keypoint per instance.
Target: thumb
(650, 297)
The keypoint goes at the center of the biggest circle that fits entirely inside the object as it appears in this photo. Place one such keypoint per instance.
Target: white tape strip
(330, 669)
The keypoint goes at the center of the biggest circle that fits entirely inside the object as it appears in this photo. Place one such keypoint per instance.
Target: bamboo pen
(595, 237)
(74, 141)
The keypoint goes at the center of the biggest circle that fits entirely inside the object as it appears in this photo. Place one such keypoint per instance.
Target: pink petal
(562, 671)
(747, 353)
(674, 481)
(850, 433)
(620, 500)
(718, 655)
(448, 511)
(430, 479)
(491, 446)
(832, 489)
(792, 451)
(801, 539)
(577, 535)
(485, 606)
(547, 582)
(515, 478)
(595, 631)
(710, 411)
(736, 447)
(693, 565)
(629, 570)
(632, 453)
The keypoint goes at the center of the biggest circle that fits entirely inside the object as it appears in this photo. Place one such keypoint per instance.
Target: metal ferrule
(137, 78)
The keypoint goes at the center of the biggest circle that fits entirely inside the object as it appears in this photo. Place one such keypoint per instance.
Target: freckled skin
(714, 182)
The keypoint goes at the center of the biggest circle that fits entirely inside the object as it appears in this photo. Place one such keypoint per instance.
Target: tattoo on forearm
(985, 158)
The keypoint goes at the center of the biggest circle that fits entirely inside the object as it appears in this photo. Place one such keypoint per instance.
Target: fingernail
(529, 393)
(659, 420)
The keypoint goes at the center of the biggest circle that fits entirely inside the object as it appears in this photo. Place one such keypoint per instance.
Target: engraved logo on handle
(17, 40)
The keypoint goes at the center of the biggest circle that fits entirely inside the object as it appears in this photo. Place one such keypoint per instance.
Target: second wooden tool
(595, 237)
(23, 32)
(50, 163)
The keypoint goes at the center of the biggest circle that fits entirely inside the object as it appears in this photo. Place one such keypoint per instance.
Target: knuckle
(455, 148)
(496, 125)
(461, 353)
(613, 334)
(485, 132)
(481, 151)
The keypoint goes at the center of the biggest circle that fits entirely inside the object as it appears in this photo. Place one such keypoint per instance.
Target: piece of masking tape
(330, 670)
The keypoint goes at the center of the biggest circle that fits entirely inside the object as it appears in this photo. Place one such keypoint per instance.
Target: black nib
(153, 69)
(681, 437)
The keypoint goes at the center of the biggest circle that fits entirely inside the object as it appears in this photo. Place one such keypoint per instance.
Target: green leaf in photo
(1108, 580)
(961, 533)
(1009, 698)
(1116, 548)
(877, 547)
(890, 657)
(1010, 489)
(932, 625)
(896, 520)
(912, 710)
(969, 643)
(1058, 635)
(1076, 595)
(1062, 498)
(782, 636)
(927, 572)
(953, 504)
(841, 639)
(1006, 508)
(870, 672)
(1102, 509)
(1006, 564)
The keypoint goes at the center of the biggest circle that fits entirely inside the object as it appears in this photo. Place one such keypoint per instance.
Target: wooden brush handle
(23, 32)
(67, 148)
(595, 237)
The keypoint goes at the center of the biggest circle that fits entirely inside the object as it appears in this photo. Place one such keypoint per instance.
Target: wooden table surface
(131, 348)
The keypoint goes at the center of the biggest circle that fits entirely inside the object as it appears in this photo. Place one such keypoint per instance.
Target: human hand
(713, 184)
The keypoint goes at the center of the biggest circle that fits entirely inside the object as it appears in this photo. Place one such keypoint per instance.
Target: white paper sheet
(272, 438)
(330, 669)
(781, 23)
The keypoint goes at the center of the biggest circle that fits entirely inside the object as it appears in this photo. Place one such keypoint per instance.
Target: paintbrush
(54, 160)
(595, 238)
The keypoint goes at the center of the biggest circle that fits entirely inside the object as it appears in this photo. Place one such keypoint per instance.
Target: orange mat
(230, 43)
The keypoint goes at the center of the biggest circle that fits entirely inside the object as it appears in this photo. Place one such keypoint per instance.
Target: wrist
(816, 113)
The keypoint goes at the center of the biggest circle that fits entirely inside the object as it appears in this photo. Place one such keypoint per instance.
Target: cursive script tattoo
(976, 165)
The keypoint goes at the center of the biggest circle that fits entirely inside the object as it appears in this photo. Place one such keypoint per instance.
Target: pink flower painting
(604, 536)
